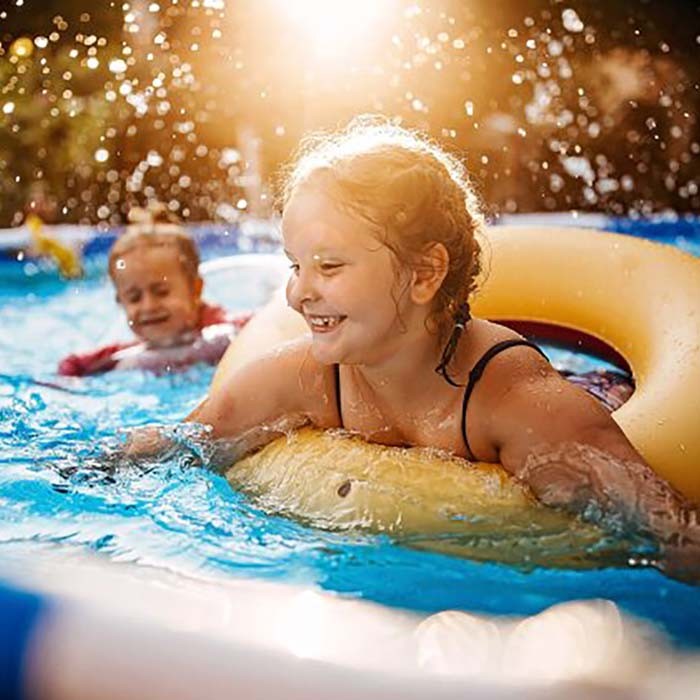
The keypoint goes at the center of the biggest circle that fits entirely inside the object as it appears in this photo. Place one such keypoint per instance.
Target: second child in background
(154, 267)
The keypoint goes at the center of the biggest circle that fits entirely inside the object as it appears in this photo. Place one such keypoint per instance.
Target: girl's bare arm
(569, 450)
(256, 403)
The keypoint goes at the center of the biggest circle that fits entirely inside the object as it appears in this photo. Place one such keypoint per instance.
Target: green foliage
(53, 121)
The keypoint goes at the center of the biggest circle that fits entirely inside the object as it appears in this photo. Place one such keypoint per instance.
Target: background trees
(555, 106)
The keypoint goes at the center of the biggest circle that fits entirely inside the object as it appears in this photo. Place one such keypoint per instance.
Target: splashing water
(58, 485)
(184, 102)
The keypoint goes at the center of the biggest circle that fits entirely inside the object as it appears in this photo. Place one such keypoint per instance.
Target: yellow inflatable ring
(641, 299)
(426, 500)
(638, 297)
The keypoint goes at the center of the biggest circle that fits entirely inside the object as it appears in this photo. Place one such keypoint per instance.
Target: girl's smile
(323, 324)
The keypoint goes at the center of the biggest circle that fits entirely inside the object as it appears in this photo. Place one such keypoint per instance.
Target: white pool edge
(117, 629)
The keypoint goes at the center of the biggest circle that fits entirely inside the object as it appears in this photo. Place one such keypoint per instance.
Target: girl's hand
(681, 561)
(680, 553)
(147, 442)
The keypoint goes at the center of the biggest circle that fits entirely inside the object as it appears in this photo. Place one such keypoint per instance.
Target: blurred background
(555, 106)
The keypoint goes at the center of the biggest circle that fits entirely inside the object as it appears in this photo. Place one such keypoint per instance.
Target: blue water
(53, 442)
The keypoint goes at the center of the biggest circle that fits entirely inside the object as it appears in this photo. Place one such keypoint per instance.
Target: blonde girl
(382, 231)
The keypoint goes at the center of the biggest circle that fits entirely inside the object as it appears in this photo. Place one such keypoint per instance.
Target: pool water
(52, 489)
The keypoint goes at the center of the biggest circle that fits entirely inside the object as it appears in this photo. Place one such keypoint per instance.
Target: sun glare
(334, 28)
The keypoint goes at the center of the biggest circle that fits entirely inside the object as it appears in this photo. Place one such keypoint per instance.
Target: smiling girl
(381, 228)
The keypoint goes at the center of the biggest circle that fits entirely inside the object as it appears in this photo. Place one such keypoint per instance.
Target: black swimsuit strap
(336, 376)
(476, 373)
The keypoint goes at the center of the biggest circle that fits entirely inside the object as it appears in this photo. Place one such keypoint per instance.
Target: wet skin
(368, 314)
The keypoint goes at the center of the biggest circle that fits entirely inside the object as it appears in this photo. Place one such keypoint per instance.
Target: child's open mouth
(154, 320)
(324, 324)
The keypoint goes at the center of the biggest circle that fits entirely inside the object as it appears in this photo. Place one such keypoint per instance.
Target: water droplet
(117, 65)
(571, 21)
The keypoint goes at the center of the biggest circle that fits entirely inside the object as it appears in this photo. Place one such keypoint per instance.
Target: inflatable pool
(81, 628)
(172, 581)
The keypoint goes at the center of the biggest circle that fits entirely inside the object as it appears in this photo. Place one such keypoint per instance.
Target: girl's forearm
(628, 493)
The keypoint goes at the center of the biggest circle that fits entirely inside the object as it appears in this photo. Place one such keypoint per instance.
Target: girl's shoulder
(510, 362)
(499, 369)
(282, 379)
(291, 362)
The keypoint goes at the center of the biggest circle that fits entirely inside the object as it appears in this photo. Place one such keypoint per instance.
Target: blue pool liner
(20, 612)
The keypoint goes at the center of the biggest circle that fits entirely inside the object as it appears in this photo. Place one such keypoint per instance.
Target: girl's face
(343, 281)
(161, 302)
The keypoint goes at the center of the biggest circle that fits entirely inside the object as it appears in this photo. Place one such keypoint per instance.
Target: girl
(154, 267)
(381, 229)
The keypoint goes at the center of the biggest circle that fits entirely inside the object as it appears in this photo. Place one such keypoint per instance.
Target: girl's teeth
(325, 321)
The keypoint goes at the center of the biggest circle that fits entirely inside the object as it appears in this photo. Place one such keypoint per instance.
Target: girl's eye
(330, 266)
(162, 292)
(294, 267)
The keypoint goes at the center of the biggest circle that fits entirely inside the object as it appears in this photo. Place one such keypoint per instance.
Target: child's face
(161, 302)
(343, 282)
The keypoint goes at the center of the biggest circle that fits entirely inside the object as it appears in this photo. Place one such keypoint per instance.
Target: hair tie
(461, 316)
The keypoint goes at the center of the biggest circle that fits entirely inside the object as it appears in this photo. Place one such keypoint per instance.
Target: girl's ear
(429, 272)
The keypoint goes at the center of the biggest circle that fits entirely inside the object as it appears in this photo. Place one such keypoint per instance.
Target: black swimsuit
(476, 373)
(474, 377)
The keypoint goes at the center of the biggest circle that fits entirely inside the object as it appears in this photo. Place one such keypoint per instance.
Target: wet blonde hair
(154, 226)
(411, 191)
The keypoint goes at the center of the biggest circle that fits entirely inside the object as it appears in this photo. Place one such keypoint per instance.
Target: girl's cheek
(289, 291)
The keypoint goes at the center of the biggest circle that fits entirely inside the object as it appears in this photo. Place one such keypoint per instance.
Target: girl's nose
(148, 302)
(300, 289)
